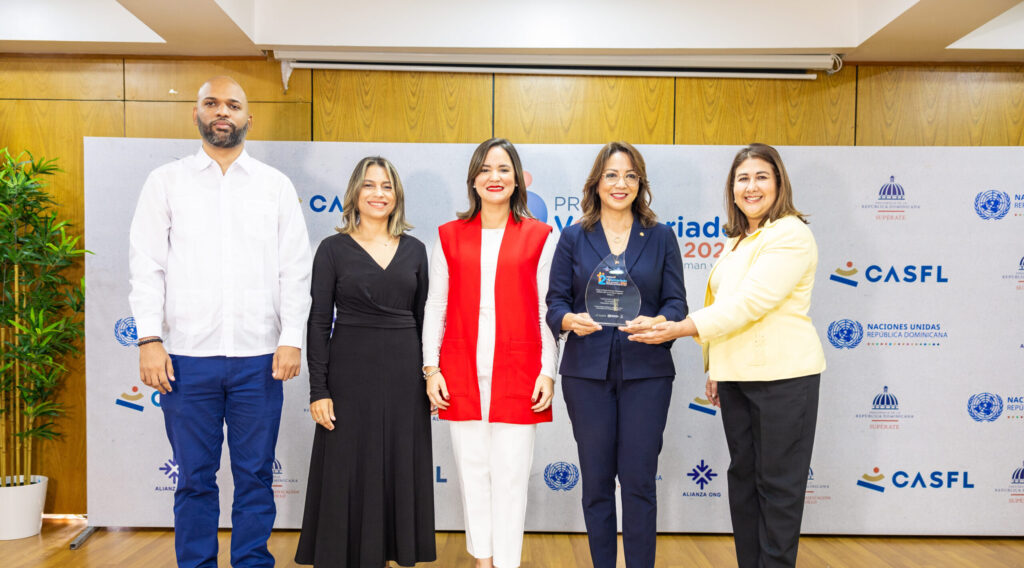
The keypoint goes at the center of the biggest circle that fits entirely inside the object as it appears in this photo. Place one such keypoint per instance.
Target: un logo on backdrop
(985, 407)
(125, 332)
(845, 333)
(561, 476)
(992, 204)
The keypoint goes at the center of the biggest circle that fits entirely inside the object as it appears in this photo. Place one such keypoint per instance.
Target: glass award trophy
(612, 297)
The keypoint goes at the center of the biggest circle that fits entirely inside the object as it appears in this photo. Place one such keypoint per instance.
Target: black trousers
(769, 426)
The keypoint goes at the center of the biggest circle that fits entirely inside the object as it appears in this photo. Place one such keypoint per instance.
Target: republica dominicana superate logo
(1015, 488)
(885, 413)
(848, 334)
(561, 476)
(817, 490)
(1017, 277)
(891, 203)
(283, 485)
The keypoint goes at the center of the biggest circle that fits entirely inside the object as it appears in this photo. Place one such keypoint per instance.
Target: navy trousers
(618, 426)
(210, 392)
(769, 426)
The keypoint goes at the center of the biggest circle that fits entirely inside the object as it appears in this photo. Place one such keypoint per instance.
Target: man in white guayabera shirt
(220, 269)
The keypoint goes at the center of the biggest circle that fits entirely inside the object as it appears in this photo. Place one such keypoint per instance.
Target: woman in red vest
(488, 357)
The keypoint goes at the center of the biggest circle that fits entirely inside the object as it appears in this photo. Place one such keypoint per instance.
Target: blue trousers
(618, 426)
(209, 392)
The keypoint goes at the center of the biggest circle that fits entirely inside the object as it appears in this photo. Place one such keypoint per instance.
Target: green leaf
(43, 246)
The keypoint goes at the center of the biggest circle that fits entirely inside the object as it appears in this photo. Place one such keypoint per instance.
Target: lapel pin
(641, 233)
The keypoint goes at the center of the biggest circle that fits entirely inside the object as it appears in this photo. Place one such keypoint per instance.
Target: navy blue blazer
(654, 263)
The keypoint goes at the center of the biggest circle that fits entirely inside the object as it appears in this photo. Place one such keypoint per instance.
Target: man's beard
(223, 140)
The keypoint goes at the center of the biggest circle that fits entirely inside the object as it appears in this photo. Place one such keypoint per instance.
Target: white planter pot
(21, 508)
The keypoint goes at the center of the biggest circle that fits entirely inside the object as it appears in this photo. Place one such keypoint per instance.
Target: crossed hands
(437, 392)
(644, 329)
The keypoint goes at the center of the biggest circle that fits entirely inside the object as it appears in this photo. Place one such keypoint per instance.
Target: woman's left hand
(658, 333)
(711, 392)
(543, 392)
(641, 324)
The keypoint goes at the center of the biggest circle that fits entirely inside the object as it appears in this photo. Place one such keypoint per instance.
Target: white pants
(499, 456)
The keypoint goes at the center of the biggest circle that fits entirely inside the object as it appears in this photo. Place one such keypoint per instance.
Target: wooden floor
(154, 548)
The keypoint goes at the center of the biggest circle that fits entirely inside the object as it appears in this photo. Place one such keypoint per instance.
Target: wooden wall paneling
(773, 111)
(282, 121)
(271, 121)
(81, 78)
(155, 79)
(385, 106)
(941, 105)
(583, 110)
(54, 129)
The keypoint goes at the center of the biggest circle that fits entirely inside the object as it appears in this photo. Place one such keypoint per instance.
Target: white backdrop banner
(919, 303)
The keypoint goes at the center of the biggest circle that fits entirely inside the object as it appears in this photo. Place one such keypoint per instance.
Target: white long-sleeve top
(437, 304)
(220, 263)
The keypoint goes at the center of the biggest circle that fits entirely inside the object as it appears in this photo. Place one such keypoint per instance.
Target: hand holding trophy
(612, 297)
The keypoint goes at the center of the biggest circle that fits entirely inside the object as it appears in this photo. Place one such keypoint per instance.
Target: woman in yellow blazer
(762, 354)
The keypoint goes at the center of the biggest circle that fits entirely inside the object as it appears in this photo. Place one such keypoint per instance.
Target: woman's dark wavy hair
(591, 204)
(476, 163)
(783, 206)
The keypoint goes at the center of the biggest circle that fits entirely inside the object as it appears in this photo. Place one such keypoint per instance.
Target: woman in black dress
(370, 497)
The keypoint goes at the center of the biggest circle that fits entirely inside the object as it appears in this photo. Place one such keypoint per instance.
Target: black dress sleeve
(422, 284)
(321, 320)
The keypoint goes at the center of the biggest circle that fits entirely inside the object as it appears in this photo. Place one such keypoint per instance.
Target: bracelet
(431, 373)
(150, 340)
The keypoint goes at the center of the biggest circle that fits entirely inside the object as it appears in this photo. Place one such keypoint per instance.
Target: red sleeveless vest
(517, 345)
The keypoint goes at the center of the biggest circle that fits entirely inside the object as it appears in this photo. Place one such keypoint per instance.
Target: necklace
(386, 243)
(617, 239)
(617, 242)
(618, 235)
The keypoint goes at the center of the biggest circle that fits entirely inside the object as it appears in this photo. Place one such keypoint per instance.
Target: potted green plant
(40, 324)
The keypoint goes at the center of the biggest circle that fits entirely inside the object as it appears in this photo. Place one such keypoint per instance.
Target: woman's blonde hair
(397, 224)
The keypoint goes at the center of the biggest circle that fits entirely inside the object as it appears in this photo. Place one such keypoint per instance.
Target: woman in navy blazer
(617, 392)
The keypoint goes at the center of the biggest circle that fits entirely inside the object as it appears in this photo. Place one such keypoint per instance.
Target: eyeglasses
(632, 179)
